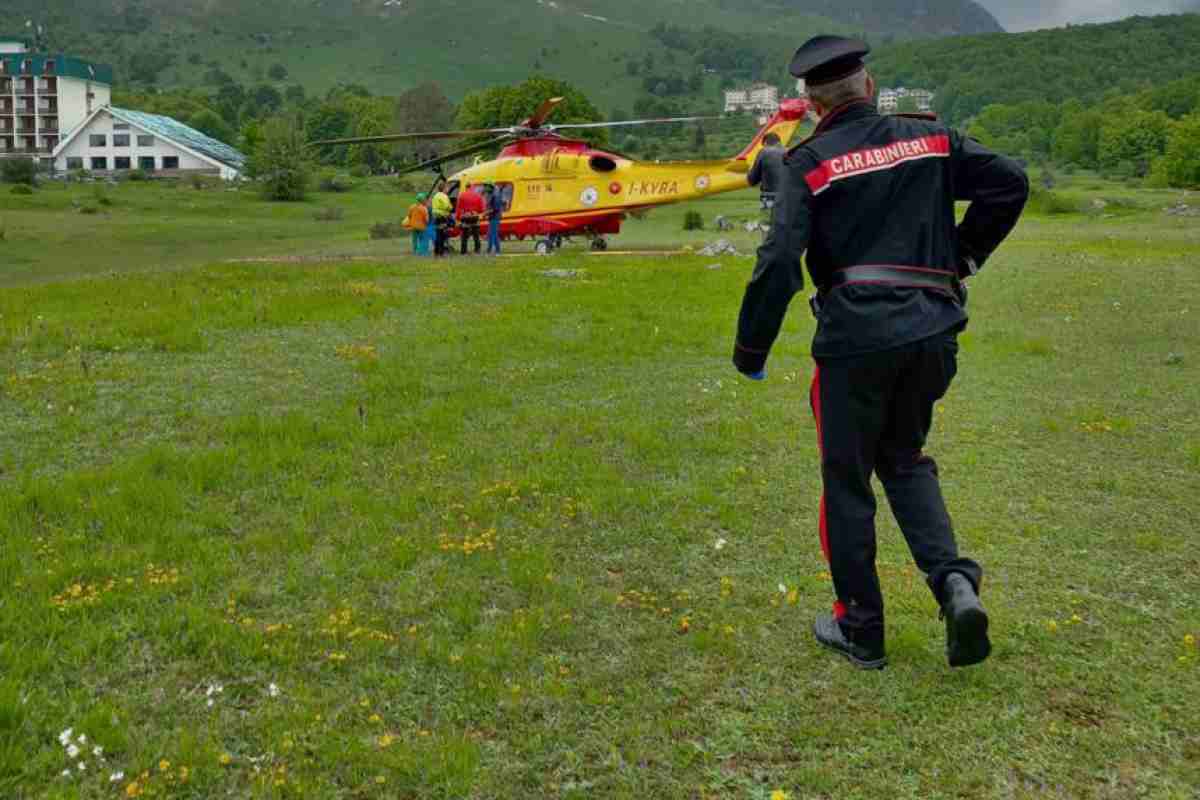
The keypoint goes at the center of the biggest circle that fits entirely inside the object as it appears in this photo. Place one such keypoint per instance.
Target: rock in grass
(1174, 359)
(564, 273)
(714, 266)
(721, 247)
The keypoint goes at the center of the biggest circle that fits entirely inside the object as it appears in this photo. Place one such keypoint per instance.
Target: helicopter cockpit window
(602, 164)
(506, 194)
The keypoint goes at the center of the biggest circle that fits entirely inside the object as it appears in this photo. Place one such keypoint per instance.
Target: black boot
(966, 622)
(829, 634)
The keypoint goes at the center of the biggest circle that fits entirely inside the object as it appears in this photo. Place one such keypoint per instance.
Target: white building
(114, 140)
(760, 97)
(889, 99)
(44, 96)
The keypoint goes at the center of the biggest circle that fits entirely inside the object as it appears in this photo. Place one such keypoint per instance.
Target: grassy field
(402, 529)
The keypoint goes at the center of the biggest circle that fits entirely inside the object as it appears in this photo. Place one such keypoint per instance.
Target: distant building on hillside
(760, 97)
(889, 99)
(43, 96)
(115, 140)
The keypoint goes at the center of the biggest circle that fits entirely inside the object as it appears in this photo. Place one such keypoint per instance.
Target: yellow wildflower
(375, 718)
(164, 765)
(387, 740)
(793, 597)
(380, 779)
(1052, 626)
(1189, 640)
(780, 794)
(134, 789)
(685, 625)
(225, 759)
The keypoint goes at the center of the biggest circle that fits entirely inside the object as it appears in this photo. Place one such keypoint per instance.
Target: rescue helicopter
(554, 187)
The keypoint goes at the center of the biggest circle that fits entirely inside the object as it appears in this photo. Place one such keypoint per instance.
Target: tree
(507, 105)
(21, 171)
(421, 109)
(266, 99)
(210, 123)
(1077, 137)
(277, 72)
(1137, 138)
(295, 94)
(280, 160)
(229, 100)
(372, 117)
(1179, 166)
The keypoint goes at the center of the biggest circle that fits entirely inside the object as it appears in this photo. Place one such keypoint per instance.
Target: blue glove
(761, 375)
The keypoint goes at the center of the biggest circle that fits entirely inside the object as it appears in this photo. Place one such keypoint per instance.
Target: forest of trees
(1154, 133)
(1085, 63)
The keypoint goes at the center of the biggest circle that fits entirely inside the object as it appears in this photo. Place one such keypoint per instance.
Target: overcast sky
(1021, 15)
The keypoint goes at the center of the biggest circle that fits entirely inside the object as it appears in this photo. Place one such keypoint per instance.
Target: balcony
(25, 88)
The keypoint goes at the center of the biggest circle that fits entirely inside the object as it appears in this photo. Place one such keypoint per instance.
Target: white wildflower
(82, 738)
(64, 738)
(210, 702)
(72, 751)
(720, 545)
(98, 751)
(82, 766)
(782, 589)
(273, 690)
(116, 776)
(66, 773)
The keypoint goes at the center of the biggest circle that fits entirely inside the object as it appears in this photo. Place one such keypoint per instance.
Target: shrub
(386, 230)
(333, 182)
(19, 170)
(22, 188)
(692, 221)
(138, 175)
(1044, 201)
(79, 175)
(331, 214)
(359, 171)
(101, 197)
(86, 209)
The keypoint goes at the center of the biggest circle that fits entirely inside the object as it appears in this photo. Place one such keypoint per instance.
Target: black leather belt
(907, 277)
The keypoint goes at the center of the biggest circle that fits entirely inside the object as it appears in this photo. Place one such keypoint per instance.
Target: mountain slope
(391, 45)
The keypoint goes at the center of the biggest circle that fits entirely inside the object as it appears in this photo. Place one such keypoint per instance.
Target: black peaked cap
(824, 59)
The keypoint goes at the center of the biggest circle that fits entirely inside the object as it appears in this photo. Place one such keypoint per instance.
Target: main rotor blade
(543, 112)
(460, 153)
(627, 123)
(401, 137)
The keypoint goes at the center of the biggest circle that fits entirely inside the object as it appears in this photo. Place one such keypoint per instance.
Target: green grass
(457, 513)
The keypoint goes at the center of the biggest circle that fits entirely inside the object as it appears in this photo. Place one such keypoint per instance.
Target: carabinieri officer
(870, 198)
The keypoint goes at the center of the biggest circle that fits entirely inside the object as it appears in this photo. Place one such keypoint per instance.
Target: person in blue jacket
(495, 214)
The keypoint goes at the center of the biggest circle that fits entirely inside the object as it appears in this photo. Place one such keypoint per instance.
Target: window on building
(120, 140)
(170, 162)
(145, 141)
(99, 162)
(146, 163)
(122, 162)
(98, 140)
(74, 162)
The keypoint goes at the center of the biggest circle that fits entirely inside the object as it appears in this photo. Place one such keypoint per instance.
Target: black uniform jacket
(877, 191)
(767, 170)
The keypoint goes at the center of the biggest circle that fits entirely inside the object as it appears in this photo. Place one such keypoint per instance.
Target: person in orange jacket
(417, 222)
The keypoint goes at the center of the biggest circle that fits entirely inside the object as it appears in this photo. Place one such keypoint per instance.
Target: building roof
(175, 131)
(64, 66)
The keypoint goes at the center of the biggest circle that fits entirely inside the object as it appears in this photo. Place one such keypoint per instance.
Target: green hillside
(1085, 62)
(391, 45)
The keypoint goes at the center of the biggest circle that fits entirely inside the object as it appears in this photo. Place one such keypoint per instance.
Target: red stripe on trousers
(839, 610)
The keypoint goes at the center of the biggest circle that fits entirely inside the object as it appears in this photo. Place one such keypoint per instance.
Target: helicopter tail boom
(783, 124)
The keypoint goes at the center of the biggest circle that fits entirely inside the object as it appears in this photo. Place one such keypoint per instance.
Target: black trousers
(469, 228)
(873, 414)
(441, 241)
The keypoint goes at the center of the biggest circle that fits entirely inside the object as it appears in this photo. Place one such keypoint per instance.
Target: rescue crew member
(495, 216)
(443, 216)
(767, 172)
(470, 212)
(870, 198)
(416, 222)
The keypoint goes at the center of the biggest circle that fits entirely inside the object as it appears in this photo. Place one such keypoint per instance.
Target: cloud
(1019, 15)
